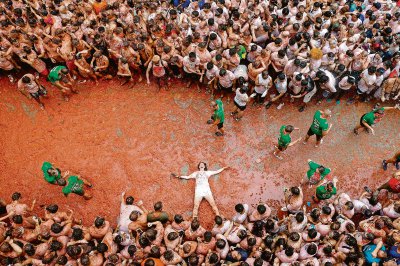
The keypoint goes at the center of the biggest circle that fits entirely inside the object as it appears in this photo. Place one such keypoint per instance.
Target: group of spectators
(339, 230)
(302, 49)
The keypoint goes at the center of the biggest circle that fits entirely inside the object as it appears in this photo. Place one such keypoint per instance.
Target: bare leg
(197, 201)
(211, 200)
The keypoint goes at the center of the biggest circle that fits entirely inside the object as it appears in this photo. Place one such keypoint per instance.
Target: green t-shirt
(319, 124)
(75, 185)
(54, 74)
(219, 114)
(370, 118)
(284, 139)
(242, 52)
(323, 194)
(49, 178)
(313, 168)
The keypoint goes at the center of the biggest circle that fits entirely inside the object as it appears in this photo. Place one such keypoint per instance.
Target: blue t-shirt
(393, 254)
(368, 249)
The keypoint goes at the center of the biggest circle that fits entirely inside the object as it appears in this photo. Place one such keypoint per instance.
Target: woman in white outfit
(203, 190)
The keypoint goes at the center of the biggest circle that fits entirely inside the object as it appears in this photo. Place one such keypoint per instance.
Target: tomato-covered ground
(131, 139)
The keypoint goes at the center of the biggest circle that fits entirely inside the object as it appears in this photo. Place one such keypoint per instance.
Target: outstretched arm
(193, 175)
(210, 173)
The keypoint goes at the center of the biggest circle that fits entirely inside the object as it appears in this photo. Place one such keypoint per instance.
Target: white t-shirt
(367, 81)
(227, 80)
(344, 85)
(241, 98)
(190, 66)
(212, 73)
(240, 218)
(263, 84)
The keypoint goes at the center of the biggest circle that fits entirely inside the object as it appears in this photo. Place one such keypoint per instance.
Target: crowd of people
(266, 50)
(339, 230)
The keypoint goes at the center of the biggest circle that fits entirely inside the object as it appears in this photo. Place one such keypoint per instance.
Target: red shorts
(44, 73)
(70, 65)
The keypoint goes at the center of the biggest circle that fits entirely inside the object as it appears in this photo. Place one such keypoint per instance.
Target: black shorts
(41, 92)
(241, 108)
(222, 88)
(310, 133)
(282, 148)
(192, 76)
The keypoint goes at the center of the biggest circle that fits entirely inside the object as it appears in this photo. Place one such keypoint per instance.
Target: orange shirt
(157, 262)
(99, 6)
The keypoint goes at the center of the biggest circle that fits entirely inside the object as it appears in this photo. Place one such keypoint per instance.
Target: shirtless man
(100, 64)
(84, 67)
(29, 86)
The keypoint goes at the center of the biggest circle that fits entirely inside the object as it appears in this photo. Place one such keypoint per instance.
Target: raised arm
(210, 173)
(191, 176)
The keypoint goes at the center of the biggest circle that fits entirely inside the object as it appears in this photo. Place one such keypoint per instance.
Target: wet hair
(269, 224)
(289, 251)
(149, 262)
(29, 249)
(62, 260)
(151, 234)
(312, 233)
(56, 228)
(132, 250)
(118, 239)
(268, 241)
(294, 236)
(74, 251)
(207, 236)
(293, 190)
(52, 208)
(261, 209)
(193, 260)
(222, 72)
(17, 219)
(300, 217)
(102, 248)
(129, 200)
(168, 255)
(192, 55)
(194, 225)
(99, 221)
(251, 241)
(55, 245)
(155, 252)
(221, 243)
(218, 220)
(77, 234)
(144, 241)
(349, 205)
(312, 249)
(16, 196)
(209, 65)
(326, 210)
(327, 249)
(213, 258)
(134, 215)
(158, 206)
(172, 236)
(242, 234)
(178, 218)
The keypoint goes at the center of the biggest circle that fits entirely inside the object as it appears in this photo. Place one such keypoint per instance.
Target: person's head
(312, 249)
(329, 186)
(172, 236)
(195, 224)
(239, 208)
(327, 250)
(281, 77)
(16, 196)
(294, 190)
(289, 251)
(202, 166)
(52, 208)
(327, 113)
(129, 200)
(294, 236)
(299, 217)
(207, 236)
(168, 255)
(371, 70)
(221, 243)
(17, 219)
(77, 234)
(218, 220)
(55, 245)
(222, 72)
(149, 262)
(134, 216)
(192, 56)
(242, 234)
(213, 258)
(312, 233)
(158, 206)
(132, 250)
(261, 209)
(56, 228)
(99, 222)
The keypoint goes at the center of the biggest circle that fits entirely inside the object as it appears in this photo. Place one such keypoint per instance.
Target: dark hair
(261, 209)
(178, 218)
(293, 190)
(207, 236)
(158, 206)
(99, 221)
(129, 200)
(16, 196)
(52, 208)
(289, 251)
(221, 243)
(218, 220)
(149, 262)
(312, 249)
(56, 228)
(239, 208)
(132, 250)
(299, 217)
(102, 248)
(205, 166)
(17, 219)
(195, 224)
(29, 249)
(213, 258)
